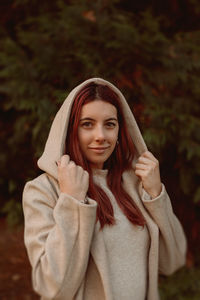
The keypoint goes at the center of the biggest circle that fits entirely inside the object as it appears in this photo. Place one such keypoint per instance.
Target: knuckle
(86, 174)
(149, 168)
(62, 157)
(71, 165)
(154, 165)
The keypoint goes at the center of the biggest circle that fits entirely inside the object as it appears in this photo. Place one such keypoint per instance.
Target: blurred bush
(48, 47)
(184, 285)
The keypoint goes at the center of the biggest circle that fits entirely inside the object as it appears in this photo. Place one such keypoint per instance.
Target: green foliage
(13, 211)
(183, 285)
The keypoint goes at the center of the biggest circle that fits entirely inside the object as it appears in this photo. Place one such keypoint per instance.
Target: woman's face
(98, 131)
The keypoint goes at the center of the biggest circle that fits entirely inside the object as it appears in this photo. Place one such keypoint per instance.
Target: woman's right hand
(73, 180)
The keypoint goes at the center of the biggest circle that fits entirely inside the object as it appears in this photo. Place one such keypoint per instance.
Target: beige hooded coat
(64, 244)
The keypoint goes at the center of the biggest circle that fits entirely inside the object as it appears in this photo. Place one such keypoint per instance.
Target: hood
(55, 144)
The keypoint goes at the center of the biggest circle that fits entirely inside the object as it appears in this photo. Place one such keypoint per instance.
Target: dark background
(151, 51)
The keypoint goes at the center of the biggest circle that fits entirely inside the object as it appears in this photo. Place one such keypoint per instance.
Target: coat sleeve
(58, 234)
(172, 241)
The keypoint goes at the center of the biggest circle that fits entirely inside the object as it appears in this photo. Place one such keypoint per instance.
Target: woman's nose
(99, 134)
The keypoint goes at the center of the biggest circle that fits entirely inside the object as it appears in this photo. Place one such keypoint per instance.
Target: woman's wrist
(155, 193)
(80, 197)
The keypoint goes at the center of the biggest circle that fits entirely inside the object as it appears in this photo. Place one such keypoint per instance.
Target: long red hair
(120, 160)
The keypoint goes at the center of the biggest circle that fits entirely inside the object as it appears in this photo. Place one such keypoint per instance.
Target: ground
(15, 270)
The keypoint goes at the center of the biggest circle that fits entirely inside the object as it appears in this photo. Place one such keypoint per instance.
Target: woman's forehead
(98, 109)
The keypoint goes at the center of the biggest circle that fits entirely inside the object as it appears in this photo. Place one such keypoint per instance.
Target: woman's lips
(98, 149)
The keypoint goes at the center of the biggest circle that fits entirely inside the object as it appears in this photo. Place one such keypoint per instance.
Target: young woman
(98, 222)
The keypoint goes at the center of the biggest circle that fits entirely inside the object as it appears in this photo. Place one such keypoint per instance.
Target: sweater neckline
(100, 172)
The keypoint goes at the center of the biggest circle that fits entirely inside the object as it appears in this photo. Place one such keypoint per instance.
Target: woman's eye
(110, 124)
(86, 124)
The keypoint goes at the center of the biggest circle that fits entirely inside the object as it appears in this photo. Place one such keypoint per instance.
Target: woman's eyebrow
(87, 118)
(111, 119)
(91, 119)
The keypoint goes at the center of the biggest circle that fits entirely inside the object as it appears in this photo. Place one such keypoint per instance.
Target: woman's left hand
(147, 169)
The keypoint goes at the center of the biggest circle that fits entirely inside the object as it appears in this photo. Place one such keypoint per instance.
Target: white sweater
(127, 248)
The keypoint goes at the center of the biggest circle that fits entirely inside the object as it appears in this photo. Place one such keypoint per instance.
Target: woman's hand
(73, 180)
(147, 169)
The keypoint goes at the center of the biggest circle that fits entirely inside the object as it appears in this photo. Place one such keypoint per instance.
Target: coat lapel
(98, 252)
